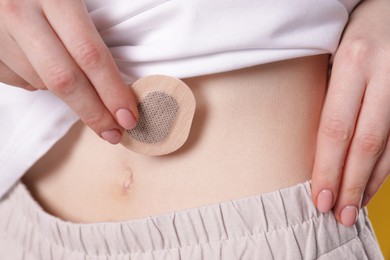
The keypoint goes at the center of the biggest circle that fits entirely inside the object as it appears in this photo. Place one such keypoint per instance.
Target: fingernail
(365, 200)
(126, 119)
(112, 136)
(325, 201)
(349, 215)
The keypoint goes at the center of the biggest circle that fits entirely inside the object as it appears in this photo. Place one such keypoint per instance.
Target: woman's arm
(53, 44)
(353, 146)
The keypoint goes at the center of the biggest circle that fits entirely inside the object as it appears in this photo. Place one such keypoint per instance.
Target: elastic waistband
(274, 212)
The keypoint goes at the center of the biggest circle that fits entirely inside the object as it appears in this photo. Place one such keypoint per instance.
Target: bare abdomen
(254, 131)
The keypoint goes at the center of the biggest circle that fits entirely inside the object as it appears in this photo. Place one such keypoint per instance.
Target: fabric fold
(227, 230)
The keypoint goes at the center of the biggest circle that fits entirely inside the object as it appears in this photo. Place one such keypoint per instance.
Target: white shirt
(181, 38)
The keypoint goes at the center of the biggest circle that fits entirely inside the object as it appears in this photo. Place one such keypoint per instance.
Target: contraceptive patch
(166, 109)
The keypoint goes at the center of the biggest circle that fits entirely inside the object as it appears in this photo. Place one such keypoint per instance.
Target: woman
(239, 187)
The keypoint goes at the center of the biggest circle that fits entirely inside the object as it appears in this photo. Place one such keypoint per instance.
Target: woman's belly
(254, 131)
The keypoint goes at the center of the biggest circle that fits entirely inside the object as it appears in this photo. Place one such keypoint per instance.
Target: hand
(53, 44)
(353, 146)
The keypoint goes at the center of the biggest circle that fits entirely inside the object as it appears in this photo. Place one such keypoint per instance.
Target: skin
(275, 109)
(70, 59)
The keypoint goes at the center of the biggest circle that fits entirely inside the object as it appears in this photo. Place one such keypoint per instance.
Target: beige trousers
(279, 225)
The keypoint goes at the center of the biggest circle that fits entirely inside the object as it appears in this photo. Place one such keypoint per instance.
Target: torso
(254, 131)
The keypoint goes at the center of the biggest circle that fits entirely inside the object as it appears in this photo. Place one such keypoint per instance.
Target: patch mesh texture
(157, 113)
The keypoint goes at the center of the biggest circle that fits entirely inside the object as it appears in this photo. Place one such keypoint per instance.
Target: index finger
(84, 44)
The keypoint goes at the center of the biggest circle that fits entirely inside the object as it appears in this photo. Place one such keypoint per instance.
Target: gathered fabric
(283, 224)
(185, 38)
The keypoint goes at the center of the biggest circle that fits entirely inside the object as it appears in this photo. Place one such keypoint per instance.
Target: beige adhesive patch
(167, 108)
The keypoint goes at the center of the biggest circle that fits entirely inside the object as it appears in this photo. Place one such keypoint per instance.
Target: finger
(85, 45)
(378, 176)
(15, 60)
(60, 74)
(9, 77)
(367, 145)
(336, 129)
